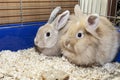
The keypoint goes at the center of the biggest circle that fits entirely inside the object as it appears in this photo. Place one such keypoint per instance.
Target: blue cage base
(18, 36)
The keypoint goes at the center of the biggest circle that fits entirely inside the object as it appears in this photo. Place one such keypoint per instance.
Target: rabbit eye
(48, 34)
(79, 35)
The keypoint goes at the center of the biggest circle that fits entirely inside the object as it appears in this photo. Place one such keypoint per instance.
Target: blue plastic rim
(18, 36)
(21, 36)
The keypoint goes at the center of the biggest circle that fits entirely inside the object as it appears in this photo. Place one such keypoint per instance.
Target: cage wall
(94, 6)
(107, 8)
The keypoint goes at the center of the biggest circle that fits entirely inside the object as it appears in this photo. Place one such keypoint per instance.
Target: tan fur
(79, 47)
(108, 43)
(89, 49)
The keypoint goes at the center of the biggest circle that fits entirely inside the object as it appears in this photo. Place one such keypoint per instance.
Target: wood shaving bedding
(29, 65)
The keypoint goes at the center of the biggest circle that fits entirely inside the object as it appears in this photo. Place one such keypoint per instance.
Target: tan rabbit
(47, 37)
(90, 39)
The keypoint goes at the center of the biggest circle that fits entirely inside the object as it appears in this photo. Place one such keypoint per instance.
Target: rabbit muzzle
(67, 45)
(38, 49)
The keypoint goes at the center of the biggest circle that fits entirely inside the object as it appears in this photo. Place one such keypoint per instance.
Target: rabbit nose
(36, 42)
(67, 42)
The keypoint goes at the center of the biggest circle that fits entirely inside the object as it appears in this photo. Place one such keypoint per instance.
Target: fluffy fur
(97, 45)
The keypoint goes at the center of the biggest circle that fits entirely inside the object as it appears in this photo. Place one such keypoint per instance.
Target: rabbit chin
(53, 51)
(50, 45)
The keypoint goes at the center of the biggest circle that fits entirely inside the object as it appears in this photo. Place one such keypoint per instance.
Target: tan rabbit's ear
(77, 11)
(92, 23)
(54, 14)
(61, 20)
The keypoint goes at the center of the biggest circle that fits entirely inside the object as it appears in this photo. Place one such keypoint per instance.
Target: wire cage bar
(107, 8)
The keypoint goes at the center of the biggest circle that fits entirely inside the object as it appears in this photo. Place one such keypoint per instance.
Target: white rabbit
(90, 39)
(47, 37)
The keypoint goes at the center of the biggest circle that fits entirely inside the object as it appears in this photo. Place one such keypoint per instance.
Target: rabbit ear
(62, 19)
(77, 11)
(92, 23)
(53, 14)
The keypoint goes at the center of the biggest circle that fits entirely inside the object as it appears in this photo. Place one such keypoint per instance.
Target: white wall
(94, 6)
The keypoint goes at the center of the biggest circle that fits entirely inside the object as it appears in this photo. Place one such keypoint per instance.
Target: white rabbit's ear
(62, 19)
(54, 14)
(77, 11)
(92, 22)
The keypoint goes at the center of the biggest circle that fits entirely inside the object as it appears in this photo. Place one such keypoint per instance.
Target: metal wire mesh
(107, 8)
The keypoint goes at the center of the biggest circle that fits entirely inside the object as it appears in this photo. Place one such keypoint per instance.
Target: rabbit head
(86, 39)
(47, 37)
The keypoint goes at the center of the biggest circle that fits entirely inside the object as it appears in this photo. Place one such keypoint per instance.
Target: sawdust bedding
(29, 65)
